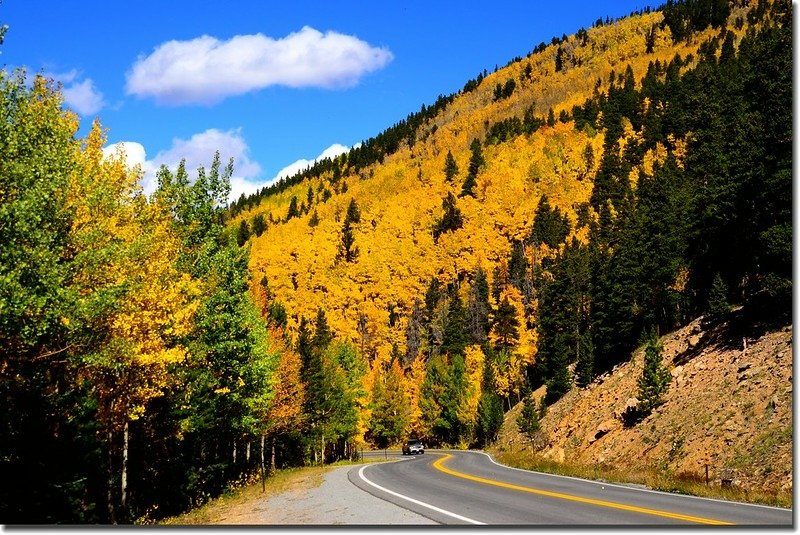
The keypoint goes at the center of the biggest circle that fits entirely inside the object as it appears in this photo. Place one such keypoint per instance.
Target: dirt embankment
(729, 406)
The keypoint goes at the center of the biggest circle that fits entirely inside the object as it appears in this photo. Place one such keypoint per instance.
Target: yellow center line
(439, 465)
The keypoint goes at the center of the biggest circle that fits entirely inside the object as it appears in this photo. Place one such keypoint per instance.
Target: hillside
(747, 438)
(401, 197)
(531, 228)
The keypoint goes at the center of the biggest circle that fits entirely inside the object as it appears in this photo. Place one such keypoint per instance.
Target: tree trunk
(272, 457)
(322, 452)
(247, 453)
(234, 452)
(124, 485)
(263, 475)
(110, 495)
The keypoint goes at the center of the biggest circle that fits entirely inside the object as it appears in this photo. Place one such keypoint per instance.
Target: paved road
(459, 487)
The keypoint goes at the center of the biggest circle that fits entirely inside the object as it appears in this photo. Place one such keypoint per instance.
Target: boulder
(631, 404)
(602, 430)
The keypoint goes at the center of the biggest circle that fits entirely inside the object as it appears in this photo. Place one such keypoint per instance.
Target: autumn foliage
(522, 232)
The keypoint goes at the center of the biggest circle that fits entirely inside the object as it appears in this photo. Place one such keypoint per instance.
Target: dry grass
(243, 495)
(690, 484)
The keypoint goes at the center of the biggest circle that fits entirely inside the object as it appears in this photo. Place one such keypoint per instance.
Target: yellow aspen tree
(129, 288)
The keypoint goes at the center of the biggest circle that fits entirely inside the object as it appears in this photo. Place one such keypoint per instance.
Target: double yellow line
(439, 465)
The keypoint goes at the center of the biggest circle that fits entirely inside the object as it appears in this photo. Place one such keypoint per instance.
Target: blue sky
(269, 83)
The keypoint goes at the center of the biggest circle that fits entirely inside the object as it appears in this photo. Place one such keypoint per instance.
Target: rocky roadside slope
(729, 406)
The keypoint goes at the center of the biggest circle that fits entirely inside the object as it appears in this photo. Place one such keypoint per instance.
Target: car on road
(413, 447)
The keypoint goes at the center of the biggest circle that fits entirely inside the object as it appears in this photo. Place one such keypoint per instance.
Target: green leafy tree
(442, 394)
(414, 332)
(718, 305)
(455, 337)
(517, 266)
(49, 447)
(549, 225)
(490, 417)
(304, 346)
(490, 410)
(390, 410)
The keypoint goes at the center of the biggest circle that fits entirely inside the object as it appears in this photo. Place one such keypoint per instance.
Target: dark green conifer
(294, 211)
(243, 233)
(451, 218)
(259, 224)
(450, 167)
(476, 162)
(506, 326)
(655, 378)
(322, 332)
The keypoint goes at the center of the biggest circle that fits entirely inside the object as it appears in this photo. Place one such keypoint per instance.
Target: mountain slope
(530, 229)
(401, 198)
(729, 406)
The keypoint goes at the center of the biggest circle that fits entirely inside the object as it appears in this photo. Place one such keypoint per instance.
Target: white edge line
(631, 488)
(412, 500)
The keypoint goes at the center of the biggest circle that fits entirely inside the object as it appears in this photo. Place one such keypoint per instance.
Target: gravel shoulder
(336, 501)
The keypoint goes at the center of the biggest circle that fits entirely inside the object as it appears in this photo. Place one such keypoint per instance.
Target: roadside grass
(683, 483)
(250, 490)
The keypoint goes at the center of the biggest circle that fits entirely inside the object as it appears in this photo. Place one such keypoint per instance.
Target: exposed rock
(556, 454)
(631, 404)
(602, 430)
(705, 410)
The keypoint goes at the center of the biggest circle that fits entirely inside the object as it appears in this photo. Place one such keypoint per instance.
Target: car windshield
(413, 442)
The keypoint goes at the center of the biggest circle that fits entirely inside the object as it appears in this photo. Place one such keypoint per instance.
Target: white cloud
(82, 96)
(248, 187)
(199, 150)
(206, 70)
(295, 167)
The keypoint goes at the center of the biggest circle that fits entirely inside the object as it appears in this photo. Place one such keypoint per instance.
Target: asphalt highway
(465, 487)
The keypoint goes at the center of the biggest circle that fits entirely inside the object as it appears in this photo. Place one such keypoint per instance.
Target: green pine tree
(655, 378)
(528, 421)
(451, 218)
(506, 326)
(259, 224)
(243, 233)
(323, 335)
(313, 221)
(476, 163)
(450, 167)
(718, 305)
(478, 308)
(293, 211)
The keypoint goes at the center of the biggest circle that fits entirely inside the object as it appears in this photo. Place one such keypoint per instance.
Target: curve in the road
(472, 488)
(439, 465)
(415, 501)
